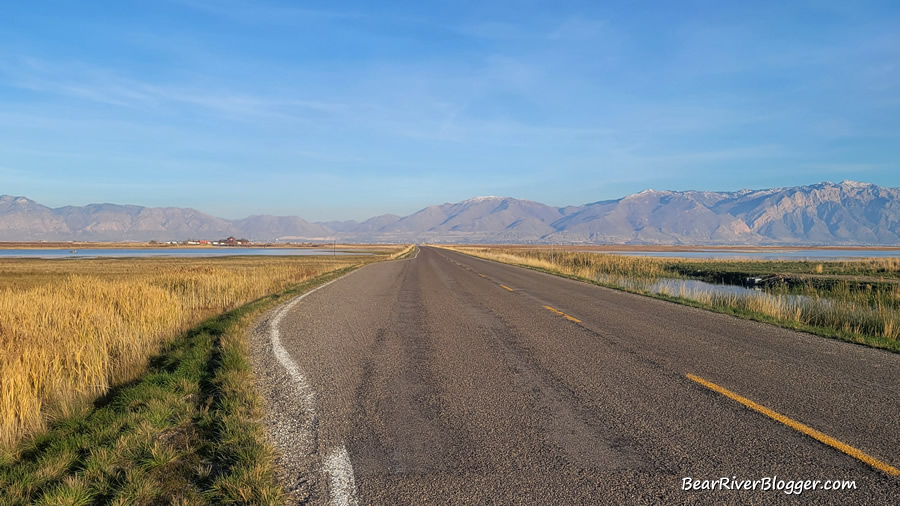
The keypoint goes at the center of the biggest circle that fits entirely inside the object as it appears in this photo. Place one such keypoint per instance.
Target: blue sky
(334, 110)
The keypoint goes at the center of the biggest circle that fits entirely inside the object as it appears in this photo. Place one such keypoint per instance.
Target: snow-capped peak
(481, 199)
(647, 192)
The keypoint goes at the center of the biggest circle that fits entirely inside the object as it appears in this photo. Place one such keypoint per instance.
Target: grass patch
(888, 268)
(859, 312)
(187, 431)
(71, 329)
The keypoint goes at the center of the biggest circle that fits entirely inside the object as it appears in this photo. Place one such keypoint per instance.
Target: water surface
(167, 252)
(767, 254)
(696, 289)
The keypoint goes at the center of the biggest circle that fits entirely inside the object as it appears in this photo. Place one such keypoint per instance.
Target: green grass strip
(188, 431)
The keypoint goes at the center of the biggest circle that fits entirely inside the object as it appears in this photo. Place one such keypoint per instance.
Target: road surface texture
(450, 379)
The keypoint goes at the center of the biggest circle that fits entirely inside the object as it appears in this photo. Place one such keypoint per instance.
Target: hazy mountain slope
(270, 227)
(655, 217)
(367, 230)
(823, 213)
(481, 219)
(339, 226)
(112, 222)
(22, 219)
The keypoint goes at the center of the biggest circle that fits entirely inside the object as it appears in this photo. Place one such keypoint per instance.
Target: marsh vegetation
(855, 300)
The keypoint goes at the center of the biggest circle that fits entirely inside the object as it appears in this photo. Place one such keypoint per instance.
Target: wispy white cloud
(265, 13)
(106, 86)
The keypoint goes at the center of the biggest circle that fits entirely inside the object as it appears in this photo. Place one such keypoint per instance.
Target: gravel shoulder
(290, 425)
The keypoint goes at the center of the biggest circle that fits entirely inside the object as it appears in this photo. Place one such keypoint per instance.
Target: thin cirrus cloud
(460, 99)
(263, 13)
(97, 84)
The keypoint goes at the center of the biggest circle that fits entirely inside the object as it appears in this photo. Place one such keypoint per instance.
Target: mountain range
(845, 213)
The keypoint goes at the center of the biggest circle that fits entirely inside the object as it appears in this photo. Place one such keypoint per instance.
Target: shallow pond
(168, 252)
(695, 289)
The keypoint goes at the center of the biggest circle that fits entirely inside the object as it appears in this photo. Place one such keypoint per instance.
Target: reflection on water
(702, 291)
(675, 286)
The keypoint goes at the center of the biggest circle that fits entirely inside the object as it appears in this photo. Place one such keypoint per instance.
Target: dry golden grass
(71, 329)
(573, 263)
(853, 313)
(405, 251)
(567, 256)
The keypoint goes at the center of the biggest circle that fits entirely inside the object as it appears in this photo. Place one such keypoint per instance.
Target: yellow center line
(560, 313)
(482, 275)
(809, 431)
(508, 288)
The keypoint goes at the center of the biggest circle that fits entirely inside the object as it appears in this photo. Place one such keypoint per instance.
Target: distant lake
(167, 252)
(762, 254)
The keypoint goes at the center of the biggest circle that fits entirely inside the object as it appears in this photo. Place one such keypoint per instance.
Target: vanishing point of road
(445, 378)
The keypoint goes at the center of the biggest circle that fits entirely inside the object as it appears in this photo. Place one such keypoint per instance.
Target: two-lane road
(450, 379)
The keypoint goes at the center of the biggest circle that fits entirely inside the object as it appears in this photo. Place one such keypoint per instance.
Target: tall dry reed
(574, 263)
(67, 340)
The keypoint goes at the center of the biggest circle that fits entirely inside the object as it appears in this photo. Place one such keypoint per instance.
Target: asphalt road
(450, 379)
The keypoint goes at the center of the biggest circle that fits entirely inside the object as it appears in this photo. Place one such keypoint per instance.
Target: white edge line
(282, 355)
(341, 483)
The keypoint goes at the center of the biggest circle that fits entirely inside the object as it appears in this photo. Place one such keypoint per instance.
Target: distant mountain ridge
(846, 213)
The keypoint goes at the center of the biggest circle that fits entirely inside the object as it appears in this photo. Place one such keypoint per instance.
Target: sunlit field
(71, 329)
